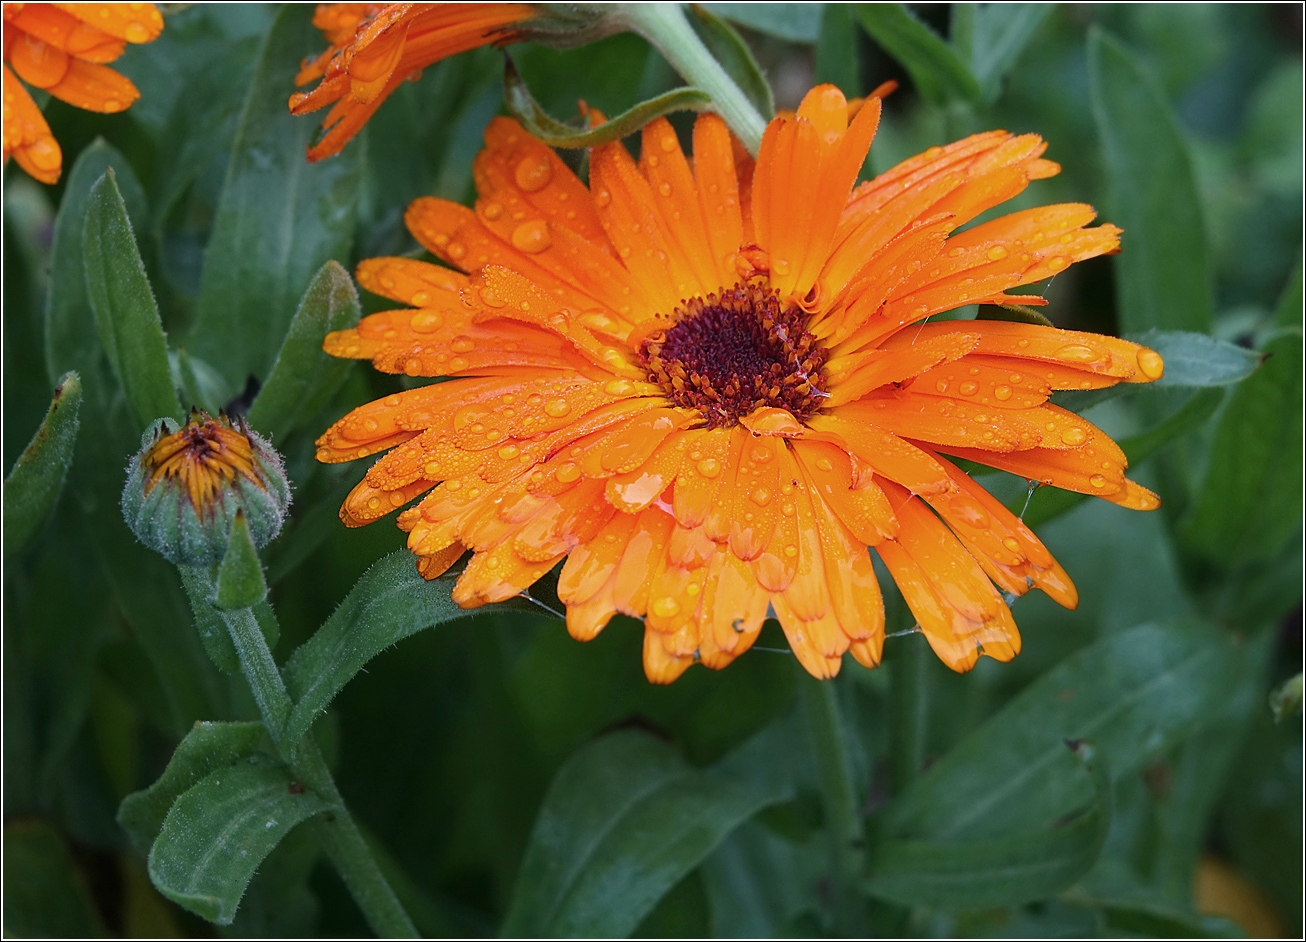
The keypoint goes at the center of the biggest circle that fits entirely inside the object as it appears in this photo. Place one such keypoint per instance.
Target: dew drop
(666, 607)
(567, 473)
(825, 464)
(557, 407)
(1011, 544)
(136, 33)
(508, 452)
(1150, 362)
(602, 198)
(1058, 262)
(709, 467)
(780, 266)
(461, 344)
(1076, 353)
(426, 321)
(968, 388)
(664, 189)
(1074, 436)
(532, 236)
(1002, 392)
(1097, 480)
(533, 173)
(456, 250)
(760, 496)
(997, 253)
(618, 387)
(492, 210)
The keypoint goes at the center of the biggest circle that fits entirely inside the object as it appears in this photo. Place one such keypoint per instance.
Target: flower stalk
(839, 799)
(664, 25)
(335, 828)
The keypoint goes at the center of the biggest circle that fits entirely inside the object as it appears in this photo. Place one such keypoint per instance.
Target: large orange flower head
(710, 386)
(62, 48)
(376, 46)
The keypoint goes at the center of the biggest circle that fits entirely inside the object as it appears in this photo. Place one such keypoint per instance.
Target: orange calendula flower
(376, 46)
(63, 48)
(710, 386)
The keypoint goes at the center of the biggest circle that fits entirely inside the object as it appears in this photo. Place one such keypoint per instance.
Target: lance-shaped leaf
(836, 49)
(279, 217)
(390, 602)
(207, 748)
(305, 377)
(1007, 871)
(623, 822)
(70, 340)
(938, 74)
(34, 484)
(219, 831)
(1132, 695)
(1191, 360)
(1162, 276)
(991, 37)
(553, 132)
(125, 313)
(796, 22)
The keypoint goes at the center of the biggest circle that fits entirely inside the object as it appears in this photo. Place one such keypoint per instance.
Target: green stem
(909, 709)
(842, 818)
(664, 25)
(335, 827)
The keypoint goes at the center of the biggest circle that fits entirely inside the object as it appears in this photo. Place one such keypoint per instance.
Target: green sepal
(34, 484)
(305, 377)
(126, 315)
(1007, 871)
(220, 829)
(240, 577)
(209, 746)
(541, 125)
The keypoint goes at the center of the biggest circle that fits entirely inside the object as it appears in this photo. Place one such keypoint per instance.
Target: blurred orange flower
(710, 386)
(376, 46)
(62, 48)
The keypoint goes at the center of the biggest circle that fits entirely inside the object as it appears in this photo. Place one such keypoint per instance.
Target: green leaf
(70, 337)
(556, 134)
(1131, 694)
(125, 313)
(1249, 504)
(305, 377)
(34, 484)
(730, 50)
(1162, 275)
(279, 218)
(836, 50)
(240, 577)
(1008, 871)
(1191, 360)
(938, 74)
(207, 748)
(991, 36)
(624, 820)
(219, 831)
(796, 22)
(390, 602)
(45, 895)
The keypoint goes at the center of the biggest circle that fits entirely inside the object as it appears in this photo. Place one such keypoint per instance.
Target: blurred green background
(1181, 123)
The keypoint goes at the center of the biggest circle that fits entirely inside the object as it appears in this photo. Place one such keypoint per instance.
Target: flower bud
(187, 483)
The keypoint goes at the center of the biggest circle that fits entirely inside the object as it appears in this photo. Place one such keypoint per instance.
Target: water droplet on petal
(1150, 362)
(557, 407)
(1074, 436)
(968, 388)
(666, 607)
(709, 467)
(568, 473)
(1097, 480)
(1011, 544)
(1002, 392)
(997, 253)
(426, 321)
(533, 173)
(532, 236)
(618, 387)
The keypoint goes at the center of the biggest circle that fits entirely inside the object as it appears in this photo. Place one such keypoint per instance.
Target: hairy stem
(335, 827)
(664, 25)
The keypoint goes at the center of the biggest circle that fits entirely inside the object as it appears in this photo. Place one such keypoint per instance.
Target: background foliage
(512, 780)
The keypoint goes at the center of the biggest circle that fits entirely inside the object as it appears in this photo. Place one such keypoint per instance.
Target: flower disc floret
(728, 355)
(186, 485)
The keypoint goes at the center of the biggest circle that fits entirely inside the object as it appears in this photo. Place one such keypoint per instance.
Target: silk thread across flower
(710, 384)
